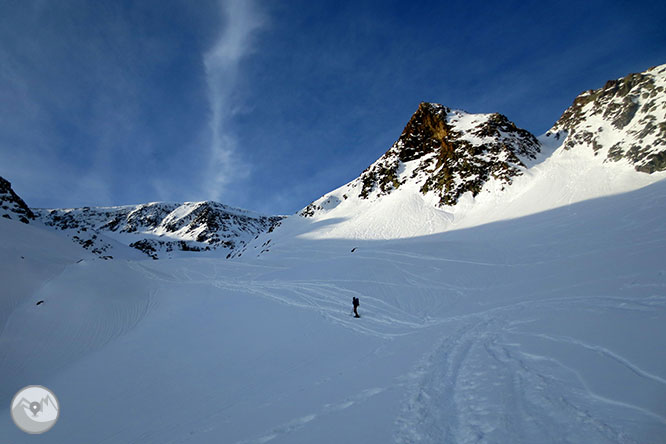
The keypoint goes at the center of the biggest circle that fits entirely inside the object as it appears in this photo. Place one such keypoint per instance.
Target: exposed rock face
(11, 205)
(447, 153)
(159, 229)
(626, 119)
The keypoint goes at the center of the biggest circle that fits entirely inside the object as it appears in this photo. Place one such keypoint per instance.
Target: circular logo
(35, 409)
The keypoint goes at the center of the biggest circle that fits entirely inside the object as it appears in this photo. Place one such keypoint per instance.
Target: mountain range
(447, 157)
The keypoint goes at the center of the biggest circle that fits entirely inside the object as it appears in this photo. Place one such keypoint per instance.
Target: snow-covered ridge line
(162, 229)
(132, 207)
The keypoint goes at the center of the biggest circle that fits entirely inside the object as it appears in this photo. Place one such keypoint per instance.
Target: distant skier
(356, 304)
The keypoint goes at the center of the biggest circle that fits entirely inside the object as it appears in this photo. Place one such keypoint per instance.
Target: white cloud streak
(222, 63)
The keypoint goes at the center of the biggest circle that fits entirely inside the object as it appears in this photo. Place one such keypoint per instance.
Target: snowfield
(549, 327)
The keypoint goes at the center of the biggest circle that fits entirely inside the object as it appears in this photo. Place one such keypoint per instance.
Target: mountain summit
(446, 153)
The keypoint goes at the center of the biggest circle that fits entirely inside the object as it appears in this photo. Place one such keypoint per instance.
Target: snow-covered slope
(547, 328)
(160, 229)
(29, 257)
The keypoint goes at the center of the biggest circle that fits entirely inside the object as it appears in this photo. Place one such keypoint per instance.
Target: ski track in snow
(298, 423)
(608, 353)
(454, 393)
(453, 387)
(327, 298)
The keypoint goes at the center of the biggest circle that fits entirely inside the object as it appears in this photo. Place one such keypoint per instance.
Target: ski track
(298, 423)
(452, 394)
(608, 353)
(451, 390)
(386, 321)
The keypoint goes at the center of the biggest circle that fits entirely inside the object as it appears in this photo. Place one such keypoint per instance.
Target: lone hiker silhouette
(356, 304)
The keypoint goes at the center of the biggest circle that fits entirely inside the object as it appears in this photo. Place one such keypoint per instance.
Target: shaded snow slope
(29, 257)
(545, 328)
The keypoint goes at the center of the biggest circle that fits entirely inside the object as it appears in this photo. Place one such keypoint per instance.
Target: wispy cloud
(241, 19)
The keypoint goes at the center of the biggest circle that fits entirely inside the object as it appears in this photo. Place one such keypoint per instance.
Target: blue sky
(267, 105)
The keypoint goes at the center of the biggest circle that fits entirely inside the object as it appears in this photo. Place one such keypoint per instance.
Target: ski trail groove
(605, 352)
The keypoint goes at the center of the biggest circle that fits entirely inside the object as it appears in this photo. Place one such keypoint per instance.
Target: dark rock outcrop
(11, 205)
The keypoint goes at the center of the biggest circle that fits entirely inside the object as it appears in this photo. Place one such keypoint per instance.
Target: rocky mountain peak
(623, 120)
(445, 153)
(426, 131)
(11, 205)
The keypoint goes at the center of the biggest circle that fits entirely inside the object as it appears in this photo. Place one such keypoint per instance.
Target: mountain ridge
(448, 154)
(161, 229)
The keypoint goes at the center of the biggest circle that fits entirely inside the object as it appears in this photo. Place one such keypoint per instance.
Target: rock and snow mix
(623, 121)
(160, 229)
(444, 153)
(11, 205)
(451, 169)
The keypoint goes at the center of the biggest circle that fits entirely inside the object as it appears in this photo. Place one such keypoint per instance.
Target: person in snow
(356, 304)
